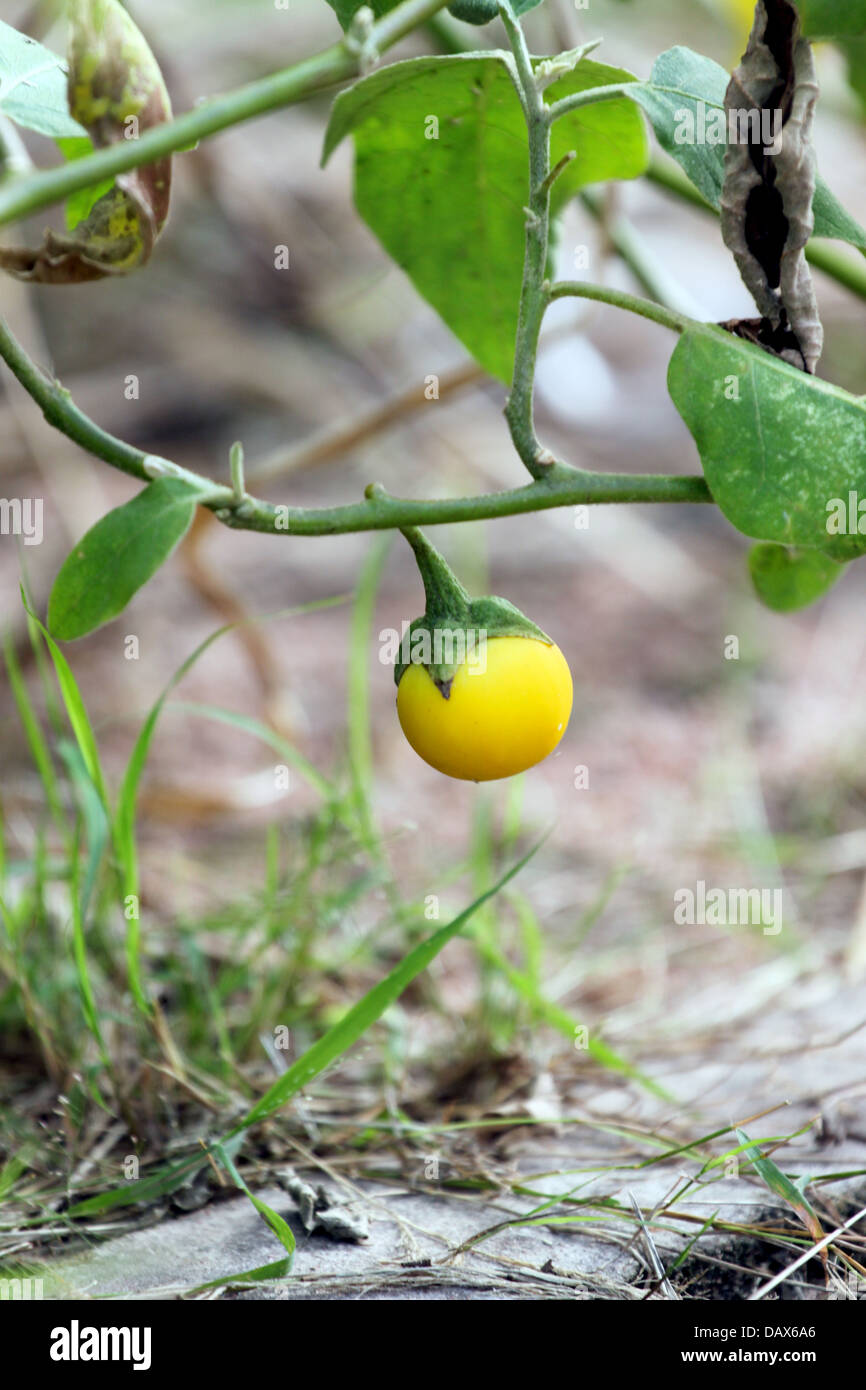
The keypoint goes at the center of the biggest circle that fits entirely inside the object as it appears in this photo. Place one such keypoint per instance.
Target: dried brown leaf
(769, 187)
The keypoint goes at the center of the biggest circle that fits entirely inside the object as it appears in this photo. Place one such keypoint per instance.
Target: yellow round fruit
(503, 714)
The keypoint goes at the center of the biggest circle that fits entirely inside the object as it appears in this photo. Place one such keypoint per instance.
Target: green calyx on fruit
(474, 11)
(454, 628)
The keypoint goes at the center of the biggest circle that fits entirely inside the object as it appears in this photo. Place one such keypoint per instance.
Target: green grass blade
(248, 725)
(781, 1186)
(75, 708)
(36, 740)
(125, 819)
(95, 819)
(359, 1018)
(79, 953)
(562, 1021)
(360, 745)
(124, 822)
(532, 938)
(281, 1228)
(16, 1166)
(47, 679)
(277, 1270)
(159, 1184)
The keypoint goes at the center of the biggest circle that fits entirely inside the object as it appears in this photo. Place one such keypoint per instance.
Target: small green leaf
(781, 1185)
(830, 19)
(159, 1184)
(76, 710)
(36, 740)
(278, 1269)
(447, 199)
(786, 579)
(679, 81)
(79, 205)
(280, 1227)
(33, 86)
(117, 556)
(784, 453)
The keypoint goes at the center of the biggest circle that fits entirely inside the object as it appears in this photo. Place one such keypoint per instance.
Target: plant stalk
(533, 301)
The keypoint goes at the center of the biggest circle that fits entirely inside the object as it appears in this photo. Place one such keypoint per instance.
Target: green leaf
(33, 86)
(786, 580)
(76, 710)
(829, 19)
(159, 1184)
(82, 960)
(346, 1033)
(94, 815)
(33, 733)
(782, 451)
(117, 556)
(681, 79)
(450, 210)
(79, 205)
(278, 1269)
(781, 1186)
(280, 1227)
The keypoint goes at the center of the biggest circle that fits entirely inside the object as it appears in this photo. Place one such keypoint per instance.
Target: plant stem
(628, 243)
(561, 485)
(646, 308)
(236, 466)
(588, 98)
(533, 301)
(569, 487)
(21, 197)
(445, 596)
(60, 410)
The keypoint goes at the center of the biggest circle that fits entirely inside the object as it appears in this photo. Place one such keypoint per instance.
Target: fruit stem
(446, 597)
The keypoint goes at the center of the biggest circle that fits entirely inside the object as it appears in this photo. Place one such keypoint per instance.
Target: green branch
(346, 59)
(555, 484)
(646, 308)
(623, 237)
(60, 410)
(561, 485)
(533, 302)
(588, 98)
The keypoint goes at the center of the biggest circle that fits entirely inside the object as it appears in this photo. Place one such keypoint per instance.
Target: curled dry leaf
(116, 92)
(770, 184)
(320, 1211)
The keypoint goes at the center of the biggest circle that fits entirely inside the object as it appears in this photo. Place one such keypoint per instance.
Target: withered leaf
(116, 92)
(769, 185)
